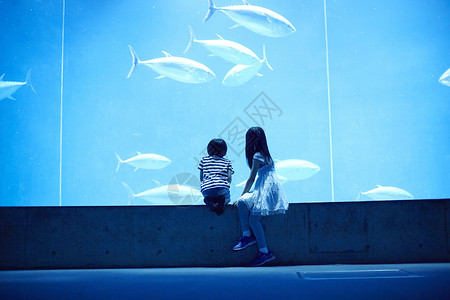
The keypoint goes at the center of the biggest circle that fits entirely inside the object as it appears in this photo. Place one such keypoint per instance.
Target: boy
(215, 176)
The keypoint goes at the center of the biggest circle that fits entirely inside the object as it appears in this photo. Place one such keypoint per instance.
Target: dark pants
(216, 204)
(216, 198)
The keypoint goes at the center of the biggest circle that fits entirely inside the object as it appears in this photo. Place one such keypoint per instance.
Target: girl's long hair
(255, 141)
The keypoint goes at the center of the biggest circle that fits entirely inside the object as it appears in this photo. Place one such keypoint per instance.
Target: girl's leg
(255, 224)
(244, 217)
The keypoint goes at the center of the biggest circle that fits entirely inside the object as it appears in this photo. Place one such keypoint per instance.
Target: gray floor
(406, 281)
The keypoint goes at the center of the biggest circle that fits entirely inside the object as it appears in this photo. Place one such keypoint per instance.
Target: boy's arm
(229, 176)
(201, 175)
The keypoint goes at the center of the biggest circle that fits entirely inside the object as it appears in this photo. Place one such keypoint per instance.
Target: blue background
(389, 114)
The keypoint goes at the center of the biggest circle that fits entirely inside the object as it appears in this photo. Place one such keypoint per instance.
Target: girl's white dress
(267, 197)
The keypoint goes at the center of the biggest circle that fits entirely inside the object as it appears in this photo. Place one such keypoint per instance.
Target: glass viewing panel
(354, 102)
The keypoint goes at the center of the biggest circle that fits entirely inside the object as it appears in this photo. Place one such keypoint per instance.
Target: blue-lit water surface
(389, 114)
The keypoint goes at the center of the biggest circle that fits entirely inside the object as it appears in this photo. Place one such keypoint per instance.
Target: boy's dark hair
(217, 147)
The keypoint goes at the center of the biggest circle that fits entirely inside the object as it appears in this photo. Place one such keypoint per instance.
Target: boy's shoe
(220, 209)
(244, 242)
(262, 258)
(210, 204)
(220, 205)
(215, 204)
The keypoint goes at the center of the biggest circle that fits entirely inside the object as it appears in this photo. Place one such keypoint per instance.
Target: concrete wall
(313, 233)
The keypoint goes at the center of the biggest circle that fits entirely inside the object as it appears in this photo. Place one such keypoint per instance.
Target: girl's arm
(251, 178)
(201, 175)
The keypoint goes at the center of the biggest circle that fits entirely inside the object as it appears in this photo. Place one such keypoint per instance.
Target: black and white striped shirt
(215, 172)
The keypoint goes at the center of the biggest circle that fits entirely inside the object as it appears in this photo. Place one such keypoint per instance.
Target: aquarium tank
(113, 102)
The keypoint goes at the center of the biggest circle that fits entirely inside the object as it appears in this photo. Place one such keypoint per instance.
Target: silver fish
(387, 193)
(174, 194)
(445, 78)
(280, 178)
(257, 19)
(296, 169)
(145, 161)
(228, 50)
(7, 88)
(240, 74)
(177, 68)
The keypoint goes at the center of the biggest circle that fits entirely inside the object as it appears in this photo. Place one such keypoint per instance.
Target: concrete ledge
(191, 236)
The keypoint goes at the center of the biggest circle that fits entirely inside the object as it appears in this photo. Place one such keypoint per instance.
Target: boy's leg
(220, 208)
(223, 192)
(209, 203)
(227, 196)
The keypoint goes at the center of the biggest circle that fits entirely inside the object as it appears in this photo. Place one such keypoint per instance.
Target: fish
(445, 78)
(257, 19)
(293, 170)
(296, 169)
(387, 193)
(177, 68)
(228, 50)
(7, 88)
(145, 161)
(174, 194)
(280, 178)
(240, 74)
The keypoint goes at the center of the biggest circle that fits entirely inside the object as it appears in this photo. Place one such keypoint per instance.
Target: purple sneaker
(244, 242)
(262, 258)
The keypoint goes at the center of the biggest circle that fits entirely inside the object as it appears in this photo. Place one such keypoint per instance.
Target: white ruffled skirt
(268, 197)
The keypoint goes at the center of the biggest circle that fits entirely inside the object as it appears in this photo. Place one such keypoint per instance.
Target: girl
(267, 198)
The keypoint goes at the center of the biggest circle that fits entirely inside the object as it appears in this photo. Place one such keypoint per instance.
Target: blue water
(389, 114)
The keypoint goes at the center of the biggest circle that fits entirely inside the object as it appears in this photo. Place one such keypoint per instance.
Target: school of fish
(247, 65)
(260, 20)
(257, 19)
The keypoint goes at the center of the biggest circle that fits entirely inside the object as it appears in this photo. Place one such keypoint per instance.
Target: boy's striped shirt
(215, 172)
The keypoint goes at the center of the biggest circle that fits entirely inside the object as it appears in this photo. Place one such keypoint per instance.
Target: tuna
(293, 170)
(145, 161)
(257, 19)
(177, 68)
(240, 74)
(296, 169)
(387, 193)
(174, 194)
(228, 50)
(280, 178)
(445, 78)
(7, 88)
